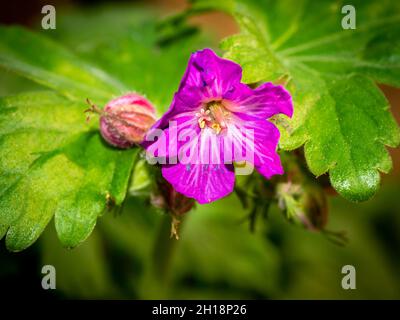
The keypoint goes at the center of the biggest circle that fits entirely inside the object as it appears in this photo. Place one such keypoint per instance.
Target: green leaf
(44, 61)
(257, 61)
(340, 116)
(53, 163)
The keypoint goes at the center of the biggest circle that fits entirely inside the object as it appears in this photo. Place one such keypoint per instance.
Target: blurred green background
(130, 255)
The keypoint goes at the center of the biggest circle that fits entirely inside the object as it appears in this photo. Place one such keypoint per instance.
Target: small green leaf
(339, 114)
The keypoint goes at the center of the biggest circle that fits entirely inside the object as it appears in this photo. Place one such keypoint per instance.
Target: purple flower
(213, 103)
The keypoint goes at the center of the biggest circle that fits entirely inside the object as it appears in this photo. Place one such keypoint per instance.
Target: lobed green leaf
(340, 115)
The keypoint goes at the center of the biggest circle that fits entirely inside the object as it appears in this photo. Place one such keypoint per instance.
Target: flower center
(213, 115)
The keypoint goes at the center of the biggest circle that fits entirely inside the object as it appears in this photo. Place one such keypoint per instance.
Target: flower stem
(164, 249)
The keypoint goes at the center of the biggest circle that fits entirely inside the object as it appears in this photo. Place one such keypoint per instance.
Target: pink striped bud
(125, 120)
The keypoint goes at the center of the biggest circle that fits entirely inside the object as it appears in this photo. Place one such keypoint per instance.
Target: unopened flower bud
(124, 121)
(171, 200)
(304, 204)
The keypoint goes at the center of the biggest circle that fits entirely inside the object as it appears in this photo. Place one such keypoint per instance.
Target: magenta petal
(258, 139)
(185, 101)
(169, 144)
(271, 169)
(262, 102)
(212, 74)
(205, 183)
(207, 77)
(266, 158)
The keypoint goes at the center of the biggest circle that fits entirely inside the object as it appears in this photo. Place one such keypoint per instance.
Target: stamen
(213, 115)
(202, 123)
(216, 127)
(218, 112)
